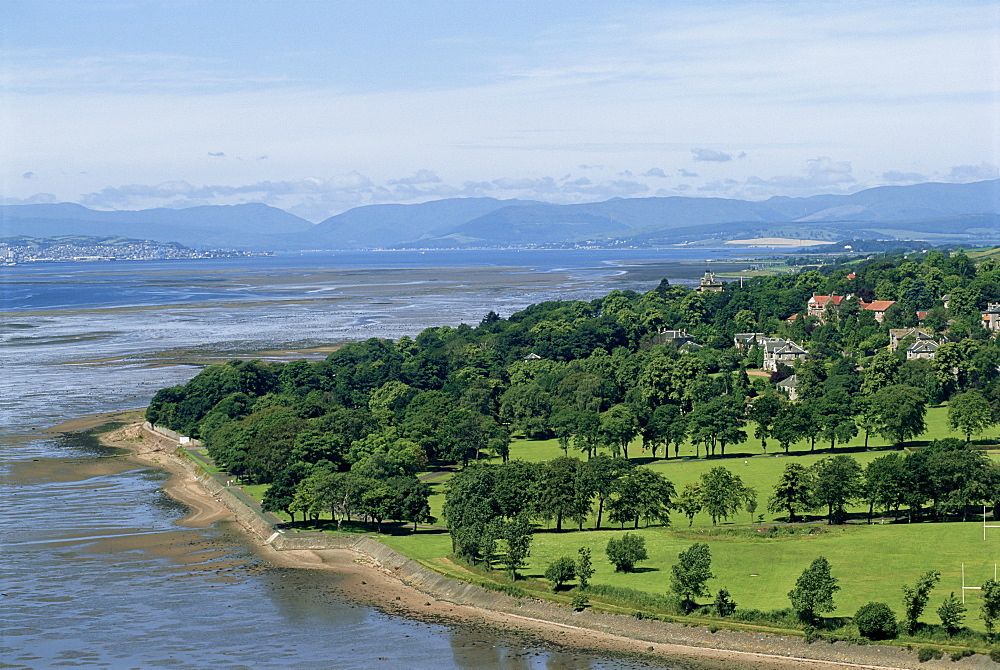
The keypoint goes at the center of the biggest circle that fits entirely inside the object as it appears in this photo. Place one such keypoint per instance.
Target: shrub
(626, 551)
(580, 602)
(925, 654)
(962, 653)
(876, 621)
(560, 571)
(995, 654)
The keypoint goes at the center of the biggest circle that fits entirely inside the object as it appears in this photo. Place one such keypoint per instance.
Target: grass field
(872, 562)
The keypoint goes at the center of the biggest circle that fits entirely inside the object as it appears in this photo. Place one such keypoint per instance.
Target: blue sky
(317, 107)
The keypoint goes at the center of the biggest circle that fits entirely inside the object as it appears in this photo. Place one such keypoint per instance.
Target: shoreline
(396, 585)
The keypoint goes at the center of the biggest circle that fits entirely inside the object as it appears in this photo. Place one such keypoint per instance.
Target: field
(757, 567)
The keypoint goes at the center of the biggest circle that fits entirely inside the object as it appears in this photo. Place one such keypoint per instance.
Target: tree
(970, 413)
(641, 493)
(517, 533)
(689, 574)
(722, 493)
(724, 604)
(560, 571)
(764, 411)
(584, 567)
(619, 426)
(990, 610)
(814, 589)
(793, 492)
(952, 614)
(688, 502)
(837, 482)
(884, 483)
(876, 621)
(557, 491)
(897, 412)
(626, 551)
(604, 472)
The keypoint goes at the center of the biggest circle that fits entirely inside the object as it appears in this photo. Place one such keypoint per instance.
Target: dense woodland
(348, 435)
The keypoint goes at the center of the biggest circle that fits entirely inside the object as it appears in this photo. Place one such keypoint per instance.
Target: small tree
(560, 571)
(876, 621)
(990, 611)
(915, 598)
(584, 568)
(952, 613)
(814, 589)
(626, 551)
(970, 413)
(517, 532)
(724, 604)
(689, 574)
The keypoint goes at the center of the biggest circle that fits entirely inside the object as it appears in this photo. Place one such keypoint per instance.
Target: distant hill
(250, 226)
(386, 225)
(934, 212)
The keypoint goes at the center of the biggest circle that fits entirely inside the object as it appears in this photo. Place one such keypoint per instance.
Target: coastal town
(67, 248)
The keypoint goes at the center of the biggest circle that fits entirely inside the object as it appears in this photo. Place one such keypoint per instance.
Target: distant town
(18, 250)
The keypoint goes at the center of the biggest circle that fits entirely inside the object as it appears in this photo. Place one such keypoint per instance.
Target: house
(745, 341)
(678, 338)
(532, 357)
(879, 307)
(819, 303)
(781, 351)
(991, 317)
(897, 335)
(709, 284)
(921, 349)
(790, 387)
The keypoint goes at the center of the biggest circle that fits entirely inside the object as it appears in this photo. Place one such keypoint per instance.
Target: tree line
(598, 375)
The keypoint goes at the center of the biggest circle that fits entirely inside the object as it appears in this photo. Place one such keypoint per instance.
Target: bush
(626, 551)
(580, 602)
(963, 653)
(925, 654)
(560, 571)
(876, 621)
(995, 654)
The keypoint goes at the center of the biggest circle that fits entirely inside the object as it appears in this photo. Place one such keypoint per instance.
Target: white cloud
(655, 172)
(897, 177)
(711, 155)
(821, 175)
(36, 199)
(686, 173)
(966, 173)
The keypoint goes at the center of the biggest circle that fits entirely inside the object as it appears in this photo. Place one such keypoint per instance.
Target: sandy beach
(363, 580)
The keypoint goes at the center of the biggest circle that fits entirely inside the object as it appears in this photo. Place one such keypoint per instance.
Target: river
(96, 571)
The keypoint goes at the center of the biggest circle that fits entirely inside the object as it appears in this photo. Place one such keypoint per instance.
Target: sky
(317, 107)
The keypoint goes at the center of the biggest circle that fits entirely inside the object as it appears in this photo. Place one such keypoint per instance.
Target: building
(745, 341)
(897, 335)
(781, 351)
(790, 387)
(709, 284)
(921, 349)
(879, 307)
(678, 338)
(991, 317)
(820, 303)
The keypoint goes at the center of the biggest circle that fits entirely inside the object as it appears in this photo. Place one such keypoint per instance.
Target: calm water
(81, 587)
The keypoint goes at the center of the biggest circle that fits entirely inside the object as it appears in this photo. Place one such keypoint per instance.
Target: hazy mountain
(250, 226)
(386, 225)
(941, 213)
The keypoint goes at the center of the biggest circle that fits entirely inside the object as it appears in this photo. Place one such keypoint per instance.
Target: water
(96, 571)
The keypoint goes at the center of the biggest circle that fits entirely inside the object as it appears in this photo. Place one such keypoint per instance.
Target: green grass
(871, 562)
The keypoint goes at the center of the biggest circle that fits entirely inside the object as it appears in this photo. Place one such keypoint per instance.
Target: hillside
(966, 214)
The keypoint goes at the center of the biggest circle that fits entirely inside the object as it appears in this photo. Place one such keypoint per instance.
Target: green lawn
(871, 562)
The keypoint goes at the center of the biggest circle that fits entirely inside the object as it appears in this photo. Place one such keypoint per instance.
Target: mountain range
(934, 212)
